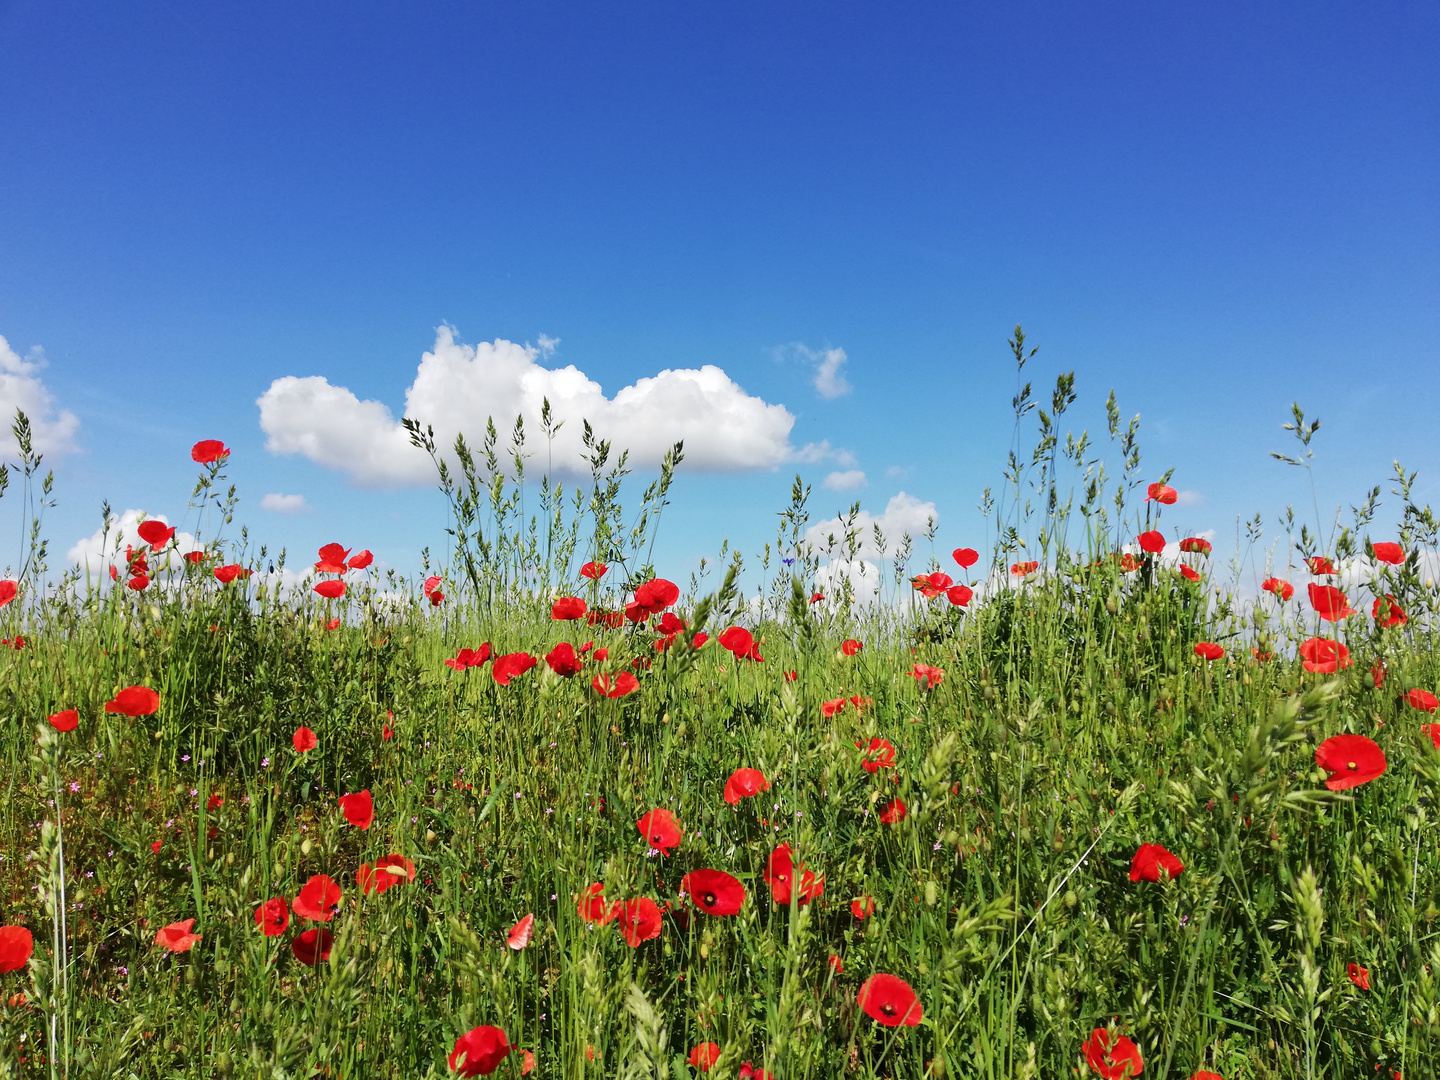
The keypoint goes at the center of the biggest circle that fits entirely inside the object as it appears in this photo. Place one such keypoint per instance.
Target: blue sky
(1214, 210)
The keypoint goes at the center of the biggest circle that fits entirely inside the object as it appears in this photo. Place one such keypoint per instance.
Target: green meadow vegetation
(1053, 811)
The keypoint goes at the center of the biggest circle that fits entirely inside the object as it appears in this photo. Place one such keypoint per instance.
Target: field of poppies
(1049, 807)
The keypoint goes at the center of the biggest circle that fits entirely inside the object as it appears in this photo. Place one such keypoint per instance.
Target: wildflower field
(1087, 797)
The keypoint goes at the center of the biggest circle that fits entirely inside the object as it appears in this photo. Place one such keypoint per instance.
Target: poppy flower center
(782, 877)
(1353, 765)
(888, 1009)
(709, 899)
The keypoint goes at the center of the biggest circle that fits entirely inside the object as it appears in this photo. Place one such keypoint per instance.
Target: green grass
(1073, 724)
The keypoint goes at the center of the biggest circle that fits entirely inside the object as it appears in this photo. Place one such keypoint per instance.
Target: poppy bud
(306, 846)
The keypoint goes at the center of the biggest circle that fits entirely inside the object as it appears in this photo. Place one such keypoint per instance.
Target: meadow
(1079, 799)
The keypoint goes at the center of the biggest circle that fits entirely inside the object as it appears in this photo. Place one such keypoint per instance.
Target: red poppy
(660, 830)
(1324, 656)
(966, 557)
(850, 646)
(207, 451)
(521, 933)
(468, 658)
(388, 870)
(714, 891)
(960, 595)
(1329, 603)
(215, 801)
(1161, 493)
(837, 965)
(889, 1000)
(361, 560)
(194, 556)
(431, 585)
(1279, 586)
(1388, 551)
(862, 907)
(138, 583)
(1320, 566)
(830, 708)
(1024, 569)
(593, 908)
(155, 533)
(1208, 650)
(880, 754)
(332, 559)
(1423, 700)
(614, 686)
(312, 946)
(16, 947)
(1351, 760)
(704, 1056)
(611, 620)
(359, 808)
(738, 640)
(1114, 1057)
(10, 589)
(65, 720)
(893, 812)
(931, 585)
(304, 740)
(749, 1072)
(387, 733)
(563, 661)
(227, 574)
(780, 876)
(1195, 545)
(816, 597)
(332, 589)
(479, 1051)
(593, 570)
(568, 607)
(318, 900)
(134, 701)
(655, 595)
(273, 916)
(1129, 563)
(1358, 975)
(927, 676)
(1152, 541)
(1189, 573)
(1377, 673)
(1206, 1074)
(1387, 612)
(177, 936)
(1150, 859)
(744, 783)
(639, 920)
(510, 665)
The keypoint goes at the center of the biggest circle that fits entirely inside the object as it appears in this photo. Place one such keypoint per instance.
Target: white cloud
(457, 386)
(284, 504)
(903, 514)
(896, 472)
(863, 575)
(829, 383)
(845, 481)
(815, 453)
(103, 548)
(21, 388)
(1188, 498)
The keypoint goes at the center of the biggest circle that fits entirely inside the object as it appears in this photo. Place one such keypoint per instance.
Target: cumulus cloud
(863, 575)
(458, 386)
(284, 504)
(903, 514)
(829, 383)
(845, 481)
(1188, 498)
(105, 547)
(21, 388)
